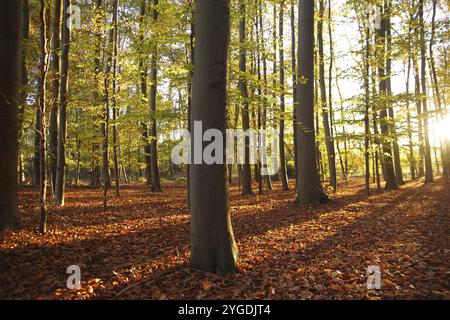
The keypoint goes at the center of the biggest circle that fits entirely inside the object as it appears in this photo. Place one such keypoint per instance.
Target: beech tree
(10, 29)
(42, 110)
(388, 165)
(213, 248)
(309, 188)
(54, 108)
(156, 184)
(329, 140)
(246, 169)
(283, 171)
(62, 129)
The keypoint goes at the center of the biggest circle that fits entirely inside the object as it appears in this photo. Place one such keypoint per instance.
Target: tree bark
(427, 149)
(309, 189)
(156, 185)
(23, 92)
(445, 143)
(294, 89)
(114, 98)
(95, 161)
(212, 242)
(284, 177)
(366, 108)
(389, 173)
(189, 89)
(143, 87)
(62, 130)
(43, 68)
(392, 128)
(55, 74)
(329, 144)
(10, 29)
(105, 122)
(412, 160)
(246, 168)
(265, 102)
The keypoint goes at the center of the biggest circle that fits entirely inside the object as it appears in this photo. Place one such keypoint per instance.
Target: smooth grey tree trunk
(294, 89)
(105, 122)
(423, 55)
(213, 248)
(284, 177)
(43, 68)
(156, 184)
(418, 102)
(10, 27)
(260, 97)
(246, 168)
(62, 129)
(412, 160)
(143, 69)
(445, 143)
(392, 124)
(366, 108)
(309, 189)
(114, 99)
(329, 140)
(265, 102)
(55, 74)
(388, 165)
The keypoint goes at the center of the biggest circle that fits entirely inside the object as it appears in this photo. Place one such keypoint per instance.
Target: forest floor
(139, 248)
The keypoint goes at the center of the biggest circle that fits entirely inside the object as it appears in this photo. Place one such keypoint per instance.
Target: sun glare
(443, 128)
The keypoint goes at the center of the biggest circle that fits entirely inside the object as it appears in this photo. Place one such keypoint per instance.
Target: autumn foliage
(139, 248)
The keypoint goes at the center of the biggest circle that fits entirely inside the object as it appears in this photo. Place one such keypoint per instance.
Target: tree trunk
(114, 99)
(10, 22)
(105, 123)
(389, 174)
(23, 92)
(418, 101)
(329, 144)
(156, 185)
(423, 55)
(445, 143)
(62, 130)
(36, 178)
(189, 100)
(43, 68)
(55, 74)
(95, 162)
(309, 189)
(366, 108)
(246, 168)
(213, 248)
(412, 160)
(143, 87)
(294, 89)
(265, 102)
(78, 150)
(284, 177)
(392, 128)
(330, 96)
(343, 162)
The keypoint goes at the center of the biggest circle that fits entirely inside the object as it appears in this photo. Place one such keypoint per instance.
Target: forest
(219, 149)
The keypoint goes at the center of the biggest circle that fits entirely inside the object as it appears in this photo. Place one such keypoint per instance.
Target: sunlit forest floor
(139, 248)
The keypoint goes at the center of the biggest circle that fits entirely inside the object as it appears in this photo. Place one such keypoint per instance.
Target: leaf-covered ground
(139, 248)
